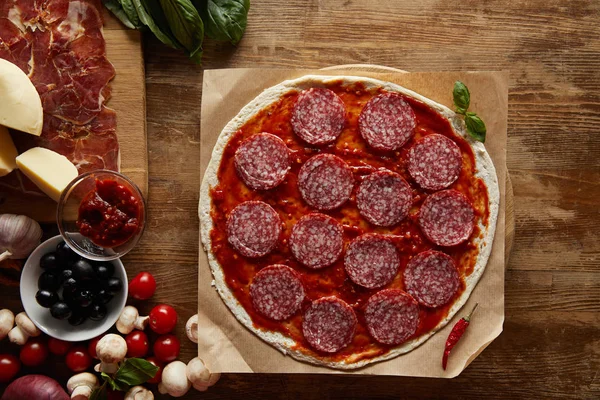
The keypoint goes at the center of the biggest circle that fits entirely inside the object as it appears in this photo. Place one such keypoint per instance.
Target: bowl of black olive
(70, 297)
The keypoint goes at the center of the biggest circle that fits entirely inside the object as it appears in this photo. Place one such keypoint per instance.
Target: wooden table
(550, 346)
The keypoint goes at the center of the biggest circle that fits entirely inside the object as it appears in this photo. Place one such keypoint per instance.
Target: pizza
(346, 219)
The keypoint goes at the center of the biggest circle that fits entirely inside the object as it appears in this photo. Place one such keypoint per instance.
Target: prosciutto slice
(60, 45)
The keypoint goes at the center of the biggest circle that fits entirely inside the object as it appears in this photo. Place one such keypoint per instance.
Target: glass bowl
(68, 211)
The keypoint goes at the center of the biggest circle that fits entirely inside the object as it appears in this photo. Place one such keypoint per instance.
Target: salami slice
(262, 161)
(387, 122)
(447, 218)
(392, 316)
(371, 260)
(434, 162)
(432, 278)
(319, 116)
(277, 292)
(317, 240)
(325, 182)
(329, 324)
(384, 198)
(253, 228)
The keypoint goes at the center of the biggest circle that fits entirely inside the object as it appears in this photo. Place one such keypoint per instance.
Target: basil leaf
(475, 126)
(106, 377)
(129, 9)
(197, 56)
(147, 20)
(99, 393)
(461, 95)
(224, 20)
(114, 384)
(115, 7)
(135, 371)
(156, 13)
(186, 25)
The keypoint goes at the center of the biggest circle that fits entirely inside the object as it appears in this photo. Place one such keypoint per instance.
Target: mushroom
(24, 330)
(111, 350)
(139, 393)
(191, 328)
(130, 319)
(174, 380)
(7, 321)
(82, 385)
(199, 375)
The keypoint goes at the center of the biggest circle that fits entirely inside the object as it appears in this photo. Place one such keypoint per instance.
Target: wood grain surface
(550, 346)
(124, 50)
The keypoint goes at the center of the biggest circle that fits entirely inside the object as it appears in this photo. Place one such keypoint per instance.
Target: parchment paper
(227, 346)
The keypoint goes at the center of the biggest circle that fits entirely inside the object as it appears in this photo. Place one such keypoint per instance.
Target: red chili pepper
(455, 335)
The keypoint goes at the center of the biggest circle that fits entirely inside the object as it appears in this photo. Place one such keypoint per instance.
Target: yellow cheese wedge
(50, 171)
(8, 152)
(20, 104)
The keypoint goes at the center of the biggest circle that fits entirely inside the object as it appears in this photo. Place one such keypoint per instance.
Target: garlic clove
(19, 236)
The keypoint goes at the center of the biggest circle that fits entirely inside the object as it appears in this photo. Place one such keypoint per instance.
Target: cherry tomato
(114, 395)
(160, 365)
(143, 286)
(58, 347)
(137, 344)
(163, 319)
(92, 346)
(34, 352)
(9, 367)
(78, 359)
(166, 348)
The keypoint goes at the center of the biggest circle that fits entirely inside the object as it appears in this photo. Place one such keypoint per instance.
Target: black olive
(69, 292)
(65, 254)
(114, 286)
(77, 318)
(66, 274)
(82, 270)
(60, 310)
(49, 261)
(46, 298)
(69, 284)
(48, 281)
(97, 312)
(103, 297)
(83, 297)
(104, 270)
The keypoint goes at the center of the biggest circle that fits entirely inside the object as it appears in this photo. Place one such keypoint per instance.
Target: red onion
(37, 387)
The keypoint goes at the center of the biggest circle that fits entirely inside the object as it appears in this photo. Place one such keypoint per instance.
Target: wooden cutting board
(124, 49)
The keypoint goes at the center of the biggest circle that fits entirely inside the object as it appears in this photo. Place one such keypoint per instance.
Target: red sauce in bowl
(109, 215)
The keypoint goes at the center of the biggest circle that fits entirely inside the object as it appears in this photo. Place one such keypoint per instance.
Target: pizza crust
(485, 171)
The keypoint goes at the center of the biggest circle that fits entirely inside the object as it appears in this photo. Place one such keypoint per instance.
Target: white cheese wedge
(8, 152)
(50, 171)
(20, 104)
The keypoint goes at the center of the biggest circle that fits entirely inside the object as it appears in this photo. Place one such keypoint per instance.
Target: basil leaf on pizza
(462, 99)
(347, 219)
(475, 126)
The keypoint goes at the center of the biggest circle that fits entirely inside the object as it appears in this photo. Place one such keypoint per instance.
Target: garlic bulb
(19, 236)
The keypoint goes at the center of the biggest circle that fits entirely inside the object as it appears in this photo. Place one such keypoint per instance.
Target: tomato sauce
(109, 215)
(286, 200)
